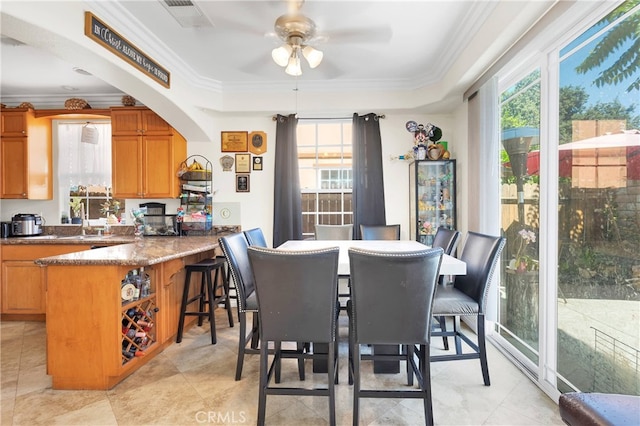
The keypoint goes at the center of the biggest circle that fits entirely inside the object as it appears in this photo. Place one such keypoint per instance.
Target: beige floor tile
(193, 383)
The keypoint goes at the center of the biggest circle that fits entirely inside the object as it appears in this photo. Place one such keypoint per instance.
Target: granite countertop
(142, 251)
(69, 239)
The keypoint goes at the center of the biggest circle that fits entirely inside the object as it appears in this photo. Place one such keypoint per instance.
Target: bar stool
(206, 295)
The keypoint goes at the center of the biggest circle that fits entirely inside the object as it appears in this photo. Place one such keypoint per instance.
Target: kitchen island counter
(89, 316)
(143, 251)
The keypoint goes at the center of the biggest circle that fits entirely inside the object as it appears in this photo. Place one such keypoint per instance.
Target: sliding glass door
(598, 200)
(569, 300)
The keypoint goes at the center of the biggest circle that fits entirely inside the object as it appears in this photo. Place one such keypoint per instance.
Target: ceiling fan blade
(359, 35)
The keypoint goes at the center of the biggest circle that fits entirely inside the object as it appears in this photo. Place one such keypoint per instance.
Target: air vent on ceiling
(186, 13)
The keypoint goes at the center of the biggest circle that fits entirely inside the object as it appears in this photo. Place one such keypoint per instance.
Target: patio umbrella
(629, 139)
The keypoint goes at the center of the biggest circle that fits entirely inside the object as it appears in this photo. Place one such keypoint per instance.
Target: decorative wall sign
(257, 142)
(242, 183)
(257, 163)
(102, 34)
(226, 162)
(234, 141)
(243, 163)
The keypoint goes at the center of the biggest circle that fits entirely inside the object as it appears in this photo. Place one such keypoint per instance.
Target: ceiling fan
(295, 30)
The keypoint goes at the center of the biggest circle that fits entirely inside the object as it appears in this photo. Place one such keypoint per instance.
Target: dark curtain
(287, 209)
(368, 188)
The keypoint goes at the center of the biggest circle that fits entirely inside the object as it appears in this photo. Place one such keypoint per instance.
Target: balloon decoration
(425, 141)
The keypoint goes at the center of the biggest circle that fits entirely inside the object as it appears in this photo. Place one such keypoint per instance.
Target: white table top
(450, 265)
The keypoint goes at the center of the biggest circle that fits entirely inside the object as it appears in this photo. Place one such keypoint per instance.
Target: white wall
(257, 205)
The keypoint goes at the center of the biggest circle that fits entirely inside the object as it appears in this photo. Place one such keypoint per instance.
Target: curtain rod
(275, 117)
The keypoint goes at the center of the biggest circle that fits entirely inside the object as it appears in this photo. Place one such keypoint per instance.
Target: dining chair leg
(336, 363)
(264, 381)
(425, 383)
(356, 383)
(255, 334)
(301, 347)
(409, 351)
(456, 329)
(442, 321)
(277, 348)
(331, 380)
(242, 342)
(482, 349)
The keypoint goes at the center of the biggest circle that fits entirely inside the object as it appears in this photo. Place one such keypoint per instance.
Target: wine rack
(138, 327)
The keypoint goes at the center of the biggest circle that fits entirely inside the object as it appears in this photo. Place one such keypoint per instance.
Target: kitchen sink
(85, 237)
(43, 237)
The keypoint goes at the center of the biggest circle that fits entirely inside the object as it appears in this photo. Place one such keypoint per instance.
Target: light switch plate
(226, 213)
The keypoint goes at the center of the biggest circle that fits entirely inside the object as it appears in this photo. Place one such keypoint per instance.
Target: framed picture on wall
(257, 163)
(243, 163)
(242, 183)
(234, 141)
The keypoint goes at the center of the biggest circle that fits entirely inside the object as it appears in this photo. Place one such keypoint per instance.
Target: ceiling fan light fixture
(294, 68)
(313, 56)
(281, 54)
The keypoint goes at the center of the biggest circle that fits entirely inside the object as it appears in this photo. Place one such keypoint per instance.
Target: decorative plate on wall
(257, 142)
(227, 163)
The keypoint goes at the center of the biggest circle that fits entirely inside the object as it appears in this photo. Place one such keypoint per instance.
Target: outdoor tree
(626, 64)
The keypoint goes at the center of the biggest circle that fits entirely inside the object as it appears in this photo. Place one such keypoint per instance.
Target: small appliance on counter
(6, 229)
(26, 225)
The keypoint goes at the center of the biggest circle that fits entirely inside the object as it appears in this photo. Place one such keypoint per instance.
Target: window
(520, 213)
(569, 295)
(326, 180)
(598, 211)
(84, 168)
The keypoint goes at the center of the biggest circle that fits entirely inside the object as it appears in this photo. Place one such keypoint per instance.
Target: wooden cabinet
(26, 158)
(136, 121)
(23, 282)
(88, 354)
(146, 154)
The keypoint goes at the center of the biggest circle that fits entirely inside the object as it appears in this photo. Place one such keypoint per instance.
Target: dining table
(450, 266)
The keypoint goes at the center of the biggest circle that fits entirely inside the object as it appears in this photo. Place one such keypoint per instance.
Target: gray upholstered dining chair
(255, 237)
(447, 239)
(296, 293)
(380, 232)
(234, 247)
(468, 297)
(337, 232)
(401, 285)
(334, 232)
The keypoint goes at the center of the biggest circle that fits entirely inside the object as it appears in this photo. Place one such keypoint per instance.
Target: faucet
(84, 219)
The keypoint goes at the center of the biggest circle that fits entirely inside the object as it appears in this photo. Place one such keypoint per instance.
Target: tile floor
(193, 383)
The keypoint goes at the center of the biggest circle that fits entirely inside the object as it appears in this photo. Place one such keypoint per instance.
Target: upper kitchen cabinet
(146, 155)
(138, 121)
(26, 159)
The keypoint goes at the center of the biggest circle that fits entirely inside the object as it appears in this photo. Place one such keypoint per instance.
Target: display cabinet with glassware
(432, 185)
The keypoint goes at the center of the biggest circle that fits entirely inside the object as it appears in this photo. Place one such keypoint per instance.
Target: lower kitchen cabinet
(95, 338)
(23, 282)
